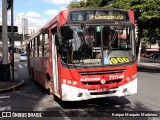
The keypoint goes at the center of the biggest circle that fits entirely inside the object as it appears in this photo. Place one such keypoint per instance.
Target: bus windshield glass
(99, 45)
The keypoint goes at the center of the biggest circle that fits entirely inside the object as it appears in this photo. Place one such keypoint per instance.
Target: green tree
(95, 3)
(88, 3)
(74, 4)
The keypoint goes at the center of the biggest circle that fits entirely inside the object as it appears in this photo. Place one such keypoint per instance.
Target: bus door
(55, 66)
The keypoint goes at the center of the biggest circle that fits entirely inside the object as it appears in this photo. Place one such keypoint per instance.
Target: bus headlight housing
(74, 83)
(69, 82)
(130, 78)
(134, 76)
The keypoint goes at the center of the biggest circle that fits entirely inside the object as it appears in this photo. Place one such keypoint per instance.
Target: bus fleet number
(116, 60)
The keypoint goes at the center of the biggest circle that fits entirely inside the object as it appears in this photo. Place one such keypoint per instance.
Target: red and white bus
(85, 53)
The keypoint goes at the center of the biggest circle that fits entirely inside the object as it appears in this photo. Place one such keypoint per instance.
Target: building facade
(22, 23)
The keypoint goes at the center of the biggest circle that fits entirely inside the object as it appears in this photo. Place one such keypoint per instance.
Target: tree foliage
(74, 4)
(95, 3)
(88, 3)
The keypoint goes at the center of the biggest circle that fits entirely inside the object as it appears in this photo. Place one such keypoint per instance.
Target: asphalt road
(34, 98)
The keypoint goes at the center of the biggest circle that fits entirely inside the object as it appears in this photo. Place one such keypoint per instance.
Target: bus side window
(46, 41)
(46, 51)
(46, 45)
(40, 46)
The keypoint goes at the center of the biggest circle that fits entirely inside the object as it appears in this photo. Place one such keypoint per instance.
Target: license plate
(103, 90)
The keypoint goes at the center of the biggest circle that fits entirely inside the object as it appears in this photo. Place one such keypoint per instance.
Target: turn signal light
(131, 77)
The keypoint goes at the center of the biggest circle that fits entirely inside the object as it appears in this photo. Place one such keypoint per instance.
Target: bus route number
(116, 60)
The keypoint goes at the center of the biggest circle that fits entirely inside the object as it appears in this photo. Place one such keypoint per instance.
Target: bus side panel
(45, 74)
(39, 67)
(45, 65)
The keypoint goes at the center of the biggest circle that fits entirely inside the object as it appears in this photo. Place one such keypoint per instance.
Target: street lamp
(140, 48)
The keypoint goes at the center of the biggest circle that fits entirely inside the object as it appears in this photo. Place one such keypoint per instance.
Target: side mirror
(66, 32)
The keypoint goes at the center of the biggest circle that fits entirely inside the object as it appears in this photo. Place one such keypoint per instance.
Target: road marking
(4, 108)
(20, 66)
(64, 115)
(3, 97)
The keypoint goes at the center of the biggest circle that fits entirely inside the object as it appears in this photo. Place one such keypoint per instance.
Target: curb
(148, 68)
(13, 88)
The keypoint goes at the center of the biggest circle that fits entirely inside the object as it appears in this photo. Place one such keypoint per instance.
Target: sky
(38, 12)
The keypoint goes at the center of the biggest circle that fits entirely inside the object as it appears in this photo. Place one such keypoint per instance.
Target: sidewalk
(149, 64)
(11, 86)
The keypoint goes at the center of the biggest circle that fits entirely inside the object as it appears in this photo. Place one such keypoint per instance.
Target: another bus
(85, 53)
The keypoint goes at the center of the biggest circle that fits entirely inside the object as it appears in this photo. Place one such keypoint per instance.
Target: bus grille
(101, 72)
(99, 83)
(102, 93)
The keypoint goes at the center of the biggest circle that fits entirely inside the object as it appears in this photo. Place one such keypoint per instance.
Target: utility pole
(139, 52)
(4, 32)
(12, 36)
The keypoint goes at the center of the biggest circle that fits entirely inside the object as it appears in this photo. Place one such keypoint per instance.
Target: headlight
(74, 83)
(128, 79)
(69, 82)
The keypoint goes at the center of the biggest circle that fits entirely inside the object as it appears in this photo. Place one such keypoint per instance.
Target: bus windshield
(99, 45)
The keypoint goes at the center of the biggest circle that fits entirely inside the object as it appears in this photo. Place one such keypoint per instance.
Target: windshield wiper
(85, 30)
(114, 37)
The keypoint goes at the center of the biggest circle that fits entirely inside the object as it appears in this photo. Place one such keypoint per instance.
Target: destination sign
(84, 15)
(109, 17)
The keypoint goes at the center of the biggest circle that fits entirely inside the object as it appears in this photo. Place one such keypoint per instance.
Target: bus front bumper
(70, 93)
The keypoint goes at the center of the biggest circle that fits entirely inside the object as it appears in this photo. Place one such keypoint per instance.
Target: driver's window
(106, 37)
